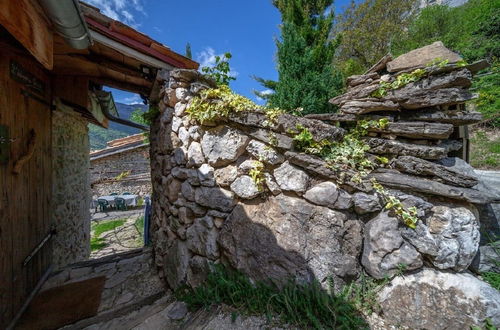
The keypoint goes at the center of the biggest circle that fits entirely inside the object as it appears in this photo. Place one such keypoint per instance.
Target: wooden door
(24, 197)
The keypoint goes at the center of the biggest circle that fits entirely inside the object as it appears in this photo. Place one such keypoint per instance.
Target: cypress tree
(188, 51)
(307, 77)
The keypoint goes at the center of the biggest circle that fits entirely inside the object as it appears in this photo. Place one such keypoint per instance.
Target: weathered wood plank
(24, 19)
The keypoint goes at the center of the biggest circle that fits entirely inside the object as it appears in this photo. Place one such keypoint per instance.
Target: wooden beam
(125, 86)
(24, 19)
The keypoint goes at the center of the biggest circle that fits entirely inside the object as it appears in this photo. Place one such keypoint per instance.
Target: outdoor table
(130, 200)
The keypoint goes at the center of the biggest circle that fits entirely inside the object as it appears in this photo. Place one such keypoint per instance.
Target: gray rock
(393, 147)
(287, 236)
(417, 130)
(265, 153)
(173, 188)
(206, 175)
(445, 174)
(319, 129)
(176, 262)
(180, 155)
(276, 140)
(202, 238)
(436, 300)
(182, 94)
(199, 268)
(179, 109)
(344, 201)
(247, 165)
(487, 259)
(364, 203)
(187, 191)
(456, 230)
(271, 184)
(178, 310)
(324, 194)
(396, 180)
(421, 57)
(185, 215)
(421, 239)
(226, 175)
(195, 155)
(195, 133)
(223, 145)
(245, 187)
(291, 178)
(454, 117)
(184, 136)
(384, 249)
(216, 198)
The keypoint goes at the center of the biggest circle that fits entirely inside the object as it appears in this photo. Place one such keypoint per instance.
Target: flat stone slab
(421, 57)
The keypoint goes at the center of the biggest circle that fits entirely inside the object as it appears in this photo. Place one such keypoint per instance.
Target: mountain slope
(100, 136)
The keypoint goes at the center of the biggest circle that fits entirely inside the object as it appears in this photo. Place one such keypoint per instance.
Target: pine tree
(188, 51)
(307, 77)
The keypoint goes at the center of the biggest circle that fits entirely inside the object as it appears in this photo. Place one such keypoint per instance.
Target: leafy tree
(220, 72)
(473, 30)
(188, 51)
(366, 30)
(137, 116)
(307, 77)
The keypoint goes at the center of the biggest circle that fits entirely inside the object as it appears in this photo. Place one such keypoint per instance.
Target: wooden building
(55, 57)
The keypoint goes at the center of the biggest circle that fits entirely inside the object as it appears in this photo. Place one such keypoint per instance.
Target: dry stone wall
(300, 222)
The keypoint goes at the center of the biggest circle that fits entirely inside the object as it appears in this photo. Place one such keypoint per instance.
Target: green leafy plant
(400, 81)
(393, 204)
(306, 306)
(220, 72)
(257, 174)
(218, 103)
(122, 175)
(488, 325)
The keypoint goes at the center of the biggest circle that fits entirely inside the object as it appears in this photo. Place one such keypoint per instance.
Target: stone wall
(104, 170)
(306, 220)
(71, 195)
(130, 278)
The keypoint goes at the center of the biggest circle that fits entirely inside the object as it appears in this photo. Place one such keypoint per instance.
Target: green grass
(97, 243)
(305, 306)
(485, 149)
(139, 225)
(492, 278)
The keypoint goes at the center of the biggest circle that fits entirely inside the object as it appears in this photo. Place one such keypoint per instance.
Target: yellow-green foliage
(400, 81)
(257, 174)
(122, 175)
(393, 204)
(349, 155)
(218, 103)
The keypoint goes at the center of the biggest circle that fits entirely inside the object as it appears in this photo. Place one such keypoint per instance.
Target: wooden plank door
(24, 197)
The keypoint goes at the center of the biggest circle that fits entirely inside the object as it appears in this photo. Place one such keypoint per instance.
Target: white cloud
(122, 10)
(207, 58)
(134, 99)
(264, 92)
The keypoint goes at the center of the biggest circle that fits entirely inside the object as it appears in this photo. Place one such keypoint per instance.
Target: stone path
(122, 238)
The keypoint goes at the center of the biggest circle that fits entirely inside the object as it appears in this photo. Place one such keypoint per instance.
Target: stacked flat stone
(422, 115)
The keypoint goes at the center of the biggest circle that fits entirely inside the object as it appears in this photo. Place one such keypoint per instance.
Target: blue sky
(245, 28)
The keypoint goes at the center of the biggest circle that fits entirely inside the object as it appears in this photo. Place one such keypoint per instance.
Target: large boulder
(430, 299)
(223, 145)
(456, 230)
(385, 250)
(287, 237)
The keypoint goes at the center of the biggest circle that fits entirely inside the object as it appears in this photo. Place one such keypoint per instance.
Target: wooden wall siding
(25, 20)
(24, 198)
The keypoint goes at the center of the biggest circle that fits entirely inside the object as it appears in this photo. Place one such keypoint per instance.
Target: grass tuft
(97, 243)
(301, 305)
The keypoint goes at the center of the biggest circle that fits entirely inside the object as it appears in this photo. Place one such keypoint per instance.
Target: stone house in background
(123, 166)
